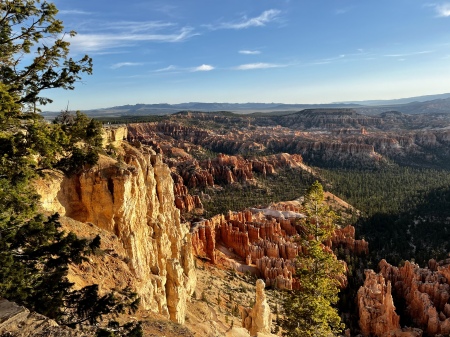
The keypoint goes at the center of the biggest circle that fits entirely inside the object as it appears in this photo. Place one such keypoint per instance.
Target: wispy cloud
(125, 64)
(175, 69)
(249, 52)
(329, 60)
(251, 66)
(203, 67)
(443, 10)
(73, 12)
(135, 26)
(245, 22)
(169, 68)
(86, 42)
(410, 54)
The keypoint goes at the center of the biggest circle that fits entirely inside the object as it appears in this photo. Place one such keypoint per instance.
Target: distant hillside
(414, 105)
(405, 100)
(433, 106)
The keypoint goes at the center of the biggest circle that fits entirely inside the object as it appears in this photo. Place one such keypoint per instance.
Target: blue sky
(286, 51)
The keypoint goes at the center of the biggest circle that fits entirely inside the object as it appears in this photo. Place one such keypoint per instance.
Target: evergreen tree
(309, 311)
(34, 251)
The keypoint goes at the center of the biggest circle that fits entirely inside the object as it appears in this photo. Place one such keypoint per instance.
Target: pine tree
(34, 251)
(309, 311)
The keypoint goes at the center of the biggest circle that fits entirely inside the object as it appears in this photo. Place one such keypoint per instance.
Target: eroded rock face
(377, 316)
(114, 135)
(226, 170)
(264, 238)
(135, 201)
(328, 135)
(184, 201)
(259, 318)
(346, 237)
(426, 292)
(274, 139)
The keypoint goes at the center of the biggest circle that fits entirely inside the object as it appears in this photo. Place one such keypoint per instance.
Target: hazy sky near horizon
(285, 51)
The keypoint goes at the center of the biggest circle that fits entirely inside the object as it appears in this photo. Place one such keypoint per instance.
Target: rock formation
(377, 316)
(345, 237)
(184, 201)
(259, 318)
(263, 237)
(426, 292)
(226, 170)
(134, 200)
(328, 135)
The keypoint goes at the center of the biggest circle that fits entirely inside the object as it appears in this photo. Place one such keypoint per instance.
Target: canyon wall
(331, 137)
(134, 200)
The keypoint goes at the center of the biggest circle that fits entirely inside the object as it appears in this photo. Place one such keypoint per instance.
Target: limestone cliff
(133, 199)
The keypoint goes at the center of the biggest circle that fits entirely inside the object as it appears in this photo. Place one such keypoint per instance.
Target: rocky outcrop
(345, 237)
(226, 170)
(264, 238)
(426, 292)
(17, 321)
(114, 135)
(259, 318)
(134, 200)
(377, 316)
(184, 201)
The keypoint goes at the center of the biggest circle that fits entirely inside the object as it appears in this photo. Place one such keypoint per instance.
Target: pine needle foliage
(34, 251)
(310, 310)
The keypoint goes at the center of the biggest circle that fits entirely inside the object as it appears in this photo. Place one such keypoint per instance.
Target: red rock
(377, 316)
(265, 241)
(346, 238)
(425, 291)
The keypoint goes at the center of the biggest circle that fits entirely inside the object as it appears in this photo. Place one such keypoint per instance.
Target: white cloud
(125, 64)
(203, 67)
(443, 10)
(259, 21)
(251, 66)
(96, 42)
(249, 52)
